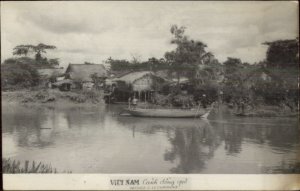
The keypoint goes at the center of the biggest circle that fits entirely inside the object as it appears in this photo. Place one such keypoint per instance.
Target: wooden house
(139, 84)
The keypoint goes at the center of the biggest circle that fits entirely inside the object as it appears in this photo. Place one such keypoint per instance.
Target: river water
(98, 140)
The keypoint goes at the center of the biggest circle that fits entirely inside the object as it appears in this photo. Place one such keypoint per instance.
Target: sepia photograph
(150, 87)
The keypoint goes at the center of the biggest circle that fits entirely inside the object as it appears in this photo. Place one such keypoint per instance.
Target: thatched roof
(116, 74)
(129, 78)
(83, 72)
(49, 72)
(132, 77)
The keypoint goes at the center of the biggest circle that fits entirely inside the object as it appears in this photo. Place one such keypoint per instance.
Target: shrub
(92, 95)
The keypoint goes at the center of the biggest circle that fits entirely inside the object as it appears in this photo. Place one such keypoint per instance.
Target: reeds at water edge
(14, 167)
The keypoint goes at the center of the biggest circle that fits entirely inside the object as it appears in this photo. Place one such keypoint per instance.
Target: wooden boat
(169, 113)
(241, 114)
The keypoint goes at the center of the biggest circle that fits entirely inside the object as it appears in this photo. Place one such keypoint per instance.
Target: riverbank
(53, 97)
(264, 111)
(89, 98)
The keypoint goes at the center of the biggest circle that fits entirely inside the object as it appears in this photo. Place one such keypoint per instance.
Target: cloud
(93, 31)
(74, 50)
(58, 22)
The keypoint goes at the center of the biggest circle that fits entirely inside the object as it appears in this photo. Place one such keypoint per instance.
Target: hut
(140, 84)
(86, 76)
(50, 75)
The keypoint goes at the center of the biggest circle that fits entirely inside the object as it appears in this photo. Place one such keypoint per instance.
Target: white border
(195, 182)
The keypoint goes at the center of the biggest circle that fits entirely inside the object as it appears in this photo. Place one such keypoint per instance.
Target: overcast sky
(93, 31)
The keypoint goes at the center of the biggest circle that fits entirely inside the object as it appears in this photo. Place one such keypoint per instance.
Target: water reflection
(192, 147)
(99, 140)
(233, 139)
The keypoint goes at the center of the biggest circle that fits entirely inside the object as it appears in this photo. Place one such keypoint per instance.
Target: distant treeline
(273, 80)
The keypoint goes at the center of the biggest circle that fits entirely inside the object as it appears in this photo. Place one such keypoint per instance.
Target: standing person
(129, 102)
(238, 104)
(204, 100)
(243, 105)
(220, 99)
(134, 102)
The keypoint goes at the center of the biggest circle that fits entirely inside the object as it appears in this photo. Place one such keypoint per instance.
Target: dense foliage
(191, 71)
(260, 84)
(188, 55)
(233, 81)
(152, 64)
(19, 74)
(283, 53)
(22, 71)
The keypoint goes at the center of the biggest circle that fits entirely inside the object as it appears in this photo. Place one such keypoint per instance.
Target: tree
(155, 64)
(118, 65)
(283, 60)
(234, 71)
(283, 53)
(41, 48)
(232, 65)
(234, 76)
(185, 60)
(135, 59)
(37, 49)
(21, 50)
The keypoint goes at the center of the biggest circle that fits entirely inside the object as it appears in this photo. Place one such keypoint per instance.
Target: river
(98, 140)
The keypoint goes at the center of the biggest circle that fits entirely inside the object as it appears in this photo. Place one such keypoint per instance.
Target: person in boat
(134, 102)
(204, 101)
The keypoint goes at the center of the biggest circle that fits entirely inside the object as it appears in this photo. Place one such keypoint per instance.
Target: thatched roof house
(83, 72)
(140, 84)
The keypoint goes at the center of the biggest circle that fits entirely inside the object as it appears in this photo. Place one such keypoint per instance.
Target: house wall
(87, 85)
(143, 84)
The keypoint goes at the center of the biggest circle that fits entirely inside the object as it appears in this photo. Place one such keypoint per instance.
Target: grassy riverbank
(264, 110)
(56, 98)
(52, 97)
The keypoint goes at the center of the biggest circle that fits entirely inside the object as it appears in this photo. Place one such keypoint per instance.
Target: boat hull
(169, 113)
